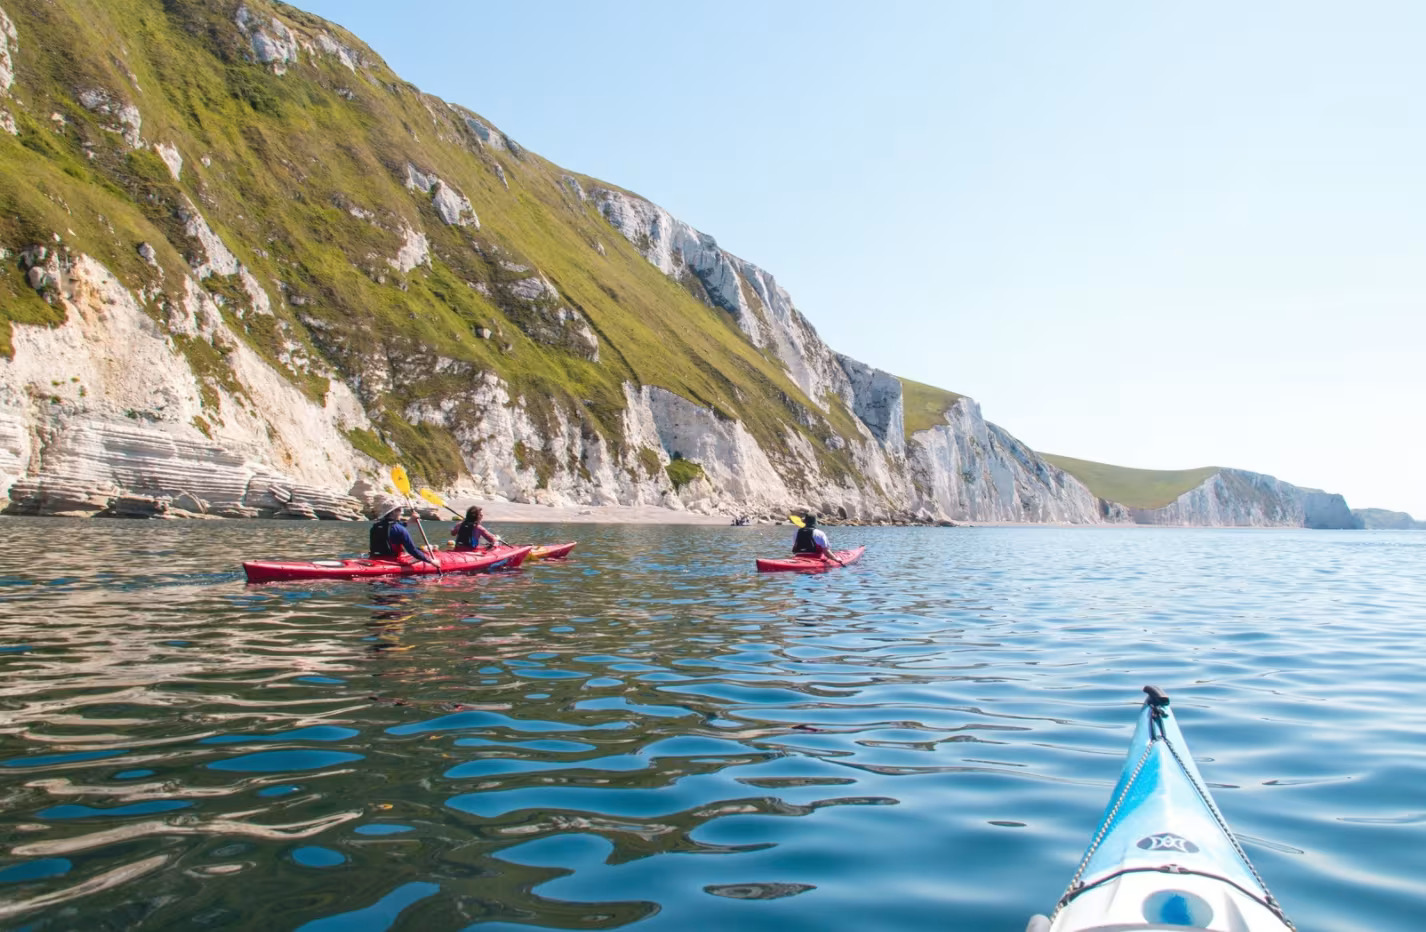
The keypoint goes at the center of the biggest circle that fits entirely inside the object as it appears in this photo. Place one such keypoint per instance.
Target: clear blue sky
(1152, 234)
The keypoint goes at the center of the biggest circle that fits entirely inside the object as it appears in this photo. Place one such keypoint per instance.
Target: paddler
(811, 540)
(389, 536)
(470, 532)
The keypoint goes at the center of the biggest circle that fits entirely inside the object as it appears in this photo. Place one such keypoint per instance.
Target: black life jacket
(803, 542)
(465, 535)
(381, 539)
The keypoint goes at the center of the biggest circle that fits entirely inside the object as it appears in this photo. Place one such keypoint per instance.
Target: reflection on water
(650, 733)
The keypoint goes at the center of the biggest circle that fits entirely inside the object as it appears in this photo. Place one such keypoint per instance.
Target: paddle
(796, 520)
(403, 485)
(435, 499)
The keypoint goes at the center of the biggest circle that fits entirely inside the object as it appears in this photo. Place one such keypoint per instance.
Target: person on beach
(469, 532)
(811, 540)
(389, 537)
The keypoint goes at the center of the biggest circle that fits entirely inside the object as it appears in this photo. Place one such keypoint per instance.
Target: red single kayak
(807, 563)
(468, 561)
(552, 551)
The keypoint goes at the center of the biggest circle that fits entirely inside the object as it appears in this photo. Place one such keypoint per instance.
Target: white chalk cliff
(475, 309)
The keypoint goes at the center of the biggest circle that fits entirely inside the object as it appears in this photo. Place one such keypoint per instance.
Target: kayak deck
(1163, 855)
(450, 561)
(552, 551)
(537, 551)
(807, 563)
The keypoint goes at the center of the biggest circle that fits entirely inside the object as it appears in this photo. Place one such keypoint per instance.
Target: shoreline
(527, 513)
(501, 511)
(530, 513)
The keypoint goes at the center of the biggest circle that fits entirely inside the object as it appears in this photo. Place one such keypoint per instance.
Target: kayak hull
(1162, 855)
(552, 551)
(471, 561)
(807, 564)
(540, 551)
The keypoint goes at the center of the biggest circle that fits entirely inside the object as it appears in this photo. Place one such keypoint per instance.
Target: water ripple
(652, 734)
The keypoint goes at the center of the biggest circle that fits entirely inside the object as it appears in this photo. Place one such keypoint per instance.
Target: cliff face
(244, 269)
(1380, 519)
(1234, 498)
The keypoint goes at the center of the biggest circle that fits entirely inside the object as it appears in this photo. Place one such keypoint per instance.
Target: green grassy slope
(279, 164)
(1137, 488)
(926, 405)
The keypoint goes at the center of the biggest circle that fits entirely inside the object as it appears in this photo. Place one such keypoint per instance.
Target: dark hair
(810, 520)
(473, 513)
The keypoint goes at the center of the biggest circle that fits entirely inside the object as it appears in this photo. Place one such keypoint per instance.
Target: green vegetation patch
(211, 367)
(1137, 488)
(370, 443)
(428, 452)
(682, 471)
(21, 304)
(649, 459)
(926, 405)
(541, 461)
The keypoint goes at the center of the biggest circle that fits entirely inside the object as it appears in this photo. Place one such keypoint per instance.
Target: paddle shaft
(424, 539)
(403, 484)
(435, 499)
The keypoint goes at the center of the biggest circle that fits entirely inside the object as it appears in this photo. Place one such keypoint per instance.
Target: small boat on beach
(807, 563)
(1163, 857)
(450, 561)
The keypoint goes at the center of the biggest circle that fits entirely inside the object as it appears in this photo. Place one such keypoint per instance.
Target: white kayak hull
(1163, 856)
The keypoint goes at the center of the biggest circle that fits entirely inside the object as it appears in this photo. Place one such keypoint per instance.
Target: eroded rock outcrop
(536, 307)
(451, 206)
(125, 118)
(975, 471)
(106, 406)
(273, 42)
(762, 308)
(8, 40)
(1237, 498)
(1382, 519)
(877, 399)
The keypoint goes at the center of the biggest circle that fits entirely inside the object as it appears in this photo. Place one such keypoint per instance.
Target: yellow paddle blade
(795, 520)
(403, 482)
(432, 497)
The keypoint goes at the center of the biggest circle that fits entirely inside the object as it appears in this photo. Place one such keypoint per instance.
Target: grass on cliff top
(303, 177)
(926, 405)
(1137, 488)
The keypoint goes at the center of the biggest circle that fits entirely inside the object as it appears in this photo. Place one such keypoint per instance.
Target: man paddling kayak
(389, 536)
(811, 540)
(470, 531)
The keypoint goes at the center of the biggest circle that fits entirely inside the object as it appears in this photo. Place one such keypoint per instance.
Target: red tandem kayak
(552, 551)
(469, 561)
(807, 563)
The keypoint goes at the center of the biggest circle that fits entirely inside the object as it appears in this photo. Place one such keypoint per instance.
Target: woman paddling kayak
(470, 532)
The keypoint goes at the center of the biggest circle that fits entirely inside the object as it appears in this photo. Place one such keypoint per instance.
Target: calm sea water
(652, 735)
